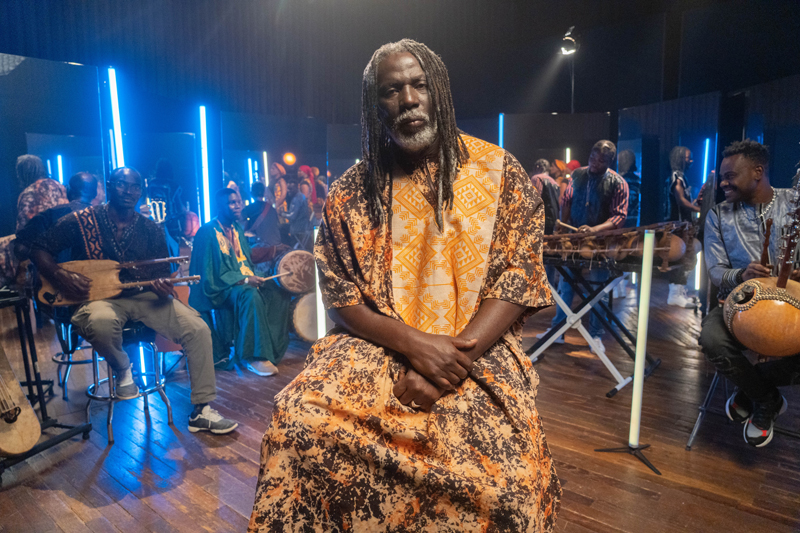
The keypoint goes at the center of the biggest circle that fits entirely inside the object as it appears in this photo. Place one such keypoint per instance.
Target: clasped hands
(439, 363)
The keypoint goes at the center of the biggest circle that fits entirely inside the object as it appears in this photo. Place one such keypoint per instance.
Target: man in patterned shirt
(116, 231)
(596, 199)
(419, 407)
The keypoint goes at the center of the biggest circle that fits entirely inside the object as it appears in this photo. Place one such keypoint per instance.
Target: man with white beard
(418, 410)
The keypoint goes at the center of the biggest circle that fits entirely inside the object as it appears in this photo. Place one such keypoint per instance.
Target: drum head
(301, 266)
(304, 317)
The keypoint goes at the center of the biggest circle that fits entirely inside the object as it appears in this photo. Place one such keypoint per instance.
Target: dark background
(289, 62)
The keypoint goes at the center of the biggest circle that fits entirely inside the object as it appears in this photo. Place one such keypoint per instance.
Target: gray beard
(419, 141)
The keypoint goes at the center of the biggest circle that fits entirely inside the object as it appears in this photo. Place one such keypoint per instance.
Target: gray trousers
(101, 324)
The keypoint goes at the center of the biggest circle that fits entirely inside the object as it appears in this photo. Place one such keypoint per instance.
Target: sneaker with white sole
(739, 407)
(262, 368)
(760, 427)
(559, 339)
(599, 342)
(210, 420)
(679, 298)
(128, 391)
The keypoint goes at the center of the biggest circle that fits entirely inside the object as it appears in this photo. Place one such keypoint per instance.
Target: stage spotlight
(289, 158)
(60, 170)
(266, 167)
(569, 45)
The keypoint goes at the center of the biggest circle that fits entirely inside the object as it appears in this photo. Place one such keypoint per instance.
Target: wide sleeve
(64, 234)
(516, 273)
(335, 258)
(716, 257)
(216, 276)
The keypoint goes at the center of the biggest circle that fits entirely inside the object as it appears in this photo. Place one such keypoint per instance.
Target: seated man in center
(418, 410)
(254, 312)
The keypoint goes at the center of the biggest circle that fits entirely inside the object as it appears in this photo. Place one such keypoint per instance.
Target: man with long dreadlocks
(417, 411)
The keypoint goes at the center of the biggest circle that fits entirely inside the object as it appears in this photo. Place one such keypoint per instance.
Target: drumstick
(279, 275)
(562, 224)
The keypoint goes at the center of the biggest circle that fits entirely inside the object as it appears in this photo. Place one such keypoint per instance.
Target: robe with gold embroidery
(342, 453)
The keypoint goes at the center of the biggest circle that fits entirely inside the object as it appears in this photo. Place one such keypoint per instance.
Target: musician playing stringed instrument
(117, 232)
(734, 246)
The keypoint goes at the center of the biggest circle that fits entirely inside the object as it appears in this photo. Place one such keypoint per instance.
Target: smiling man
(116, 231)
(734, 238)
(418, 410)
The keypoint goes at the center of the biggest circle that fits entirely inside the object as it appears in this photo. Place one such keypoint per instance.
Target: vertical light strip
(60, 170)
(250, 170)
(143, 368)
(705, 160)
(112, 85)
(501, 128)
(266, 168)
(113, 152)
(641, 338)
(49, 169)
(321, 316)
(568, 156)
(697, 271)
(204, 166)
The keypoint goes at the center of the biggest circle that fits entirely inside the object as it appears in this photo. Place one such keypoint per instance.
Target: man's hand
(414, 387)
(254, 281)
(440, 358)
(162, 287)
(72, 284)
(795, 276)
(280, 248)
(756, 270)
(585, 229)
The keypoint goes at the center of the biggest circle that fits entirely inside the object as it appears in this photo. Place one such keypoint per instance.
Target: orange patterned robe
(342, 453)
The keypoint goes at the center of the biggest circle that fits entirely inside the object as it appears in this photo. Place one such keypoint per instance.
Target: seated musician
(82, 190)
(733, 244)
(116, 231)
(420, 407)
(255, 312)
(261, 220)
(596, 199)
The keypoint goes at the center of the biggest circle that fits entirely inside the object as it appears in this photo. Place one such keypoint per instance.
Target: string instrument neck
(765, 249)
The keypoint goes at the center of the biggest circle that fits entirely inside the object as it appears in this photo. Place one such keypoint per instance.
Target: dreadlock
(375, 141)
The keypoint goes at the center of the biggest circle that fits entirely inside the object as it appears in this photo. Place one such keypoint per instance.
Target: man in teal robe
(250, 312)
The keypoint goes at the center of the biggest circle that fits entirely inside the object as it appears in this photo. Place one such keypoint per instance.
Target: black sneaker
(739, 407)
(210, 420)
(758, 431)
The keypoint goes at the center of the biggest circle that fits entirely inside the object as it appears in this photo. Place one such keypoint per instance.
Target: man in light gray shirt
(733, 242)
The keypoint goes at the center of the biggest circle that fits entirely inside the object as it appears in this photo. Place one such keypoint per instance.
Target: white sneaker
(559, 340)
(262, 368)
(210, 420)
(677, 296)
(599, 342)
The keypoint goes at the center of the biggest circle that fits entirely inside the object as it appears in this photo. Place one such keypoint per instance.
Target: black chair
(705, 407)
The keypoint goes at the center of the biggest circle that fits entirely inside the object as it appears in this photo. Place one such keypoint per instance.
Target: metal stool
(70, 343)
(148, 381)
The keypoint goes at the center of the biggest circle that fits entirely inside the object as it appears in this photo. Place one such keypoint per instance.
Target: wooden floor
(161, 478)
